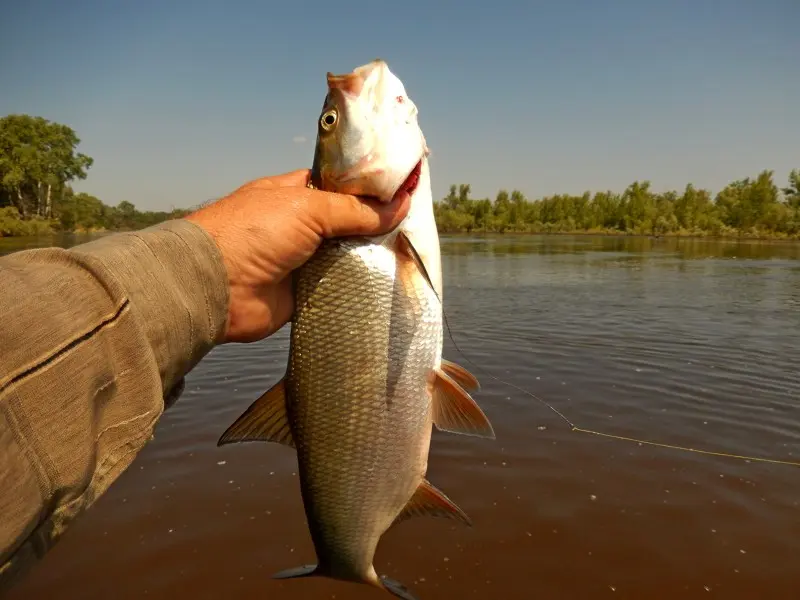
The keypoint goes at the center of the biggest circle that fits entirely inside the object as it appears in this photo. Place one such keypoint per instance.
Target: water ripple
(684, 342)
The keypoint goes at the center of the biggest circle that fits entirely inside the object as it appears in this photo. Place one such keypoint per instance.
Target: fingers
(339, 215)
(330, 214)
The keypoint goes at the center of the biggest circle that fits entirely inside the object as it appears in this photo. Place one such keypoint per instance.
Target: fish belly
(366, 337)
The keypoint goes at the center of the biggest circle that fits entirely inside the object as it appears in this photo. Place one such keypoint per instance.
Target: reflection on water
(689, 342)
(63, 240)
(624, 246)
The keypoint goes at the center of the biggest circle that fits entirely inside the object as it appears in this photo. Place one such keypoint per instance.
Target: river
(686, 342)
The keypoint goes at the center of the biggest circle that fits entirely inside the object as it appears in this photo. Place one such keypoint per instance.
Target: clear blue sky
(181, 101)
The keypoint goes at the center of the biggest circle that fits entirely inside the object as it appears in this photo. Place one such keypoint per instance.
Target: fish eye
(329, 119)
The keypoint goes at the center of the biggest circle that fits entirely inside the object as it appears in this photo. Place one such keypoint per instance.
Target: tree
(746, 206)
(37, 159)
(792, 192)
(126, 214)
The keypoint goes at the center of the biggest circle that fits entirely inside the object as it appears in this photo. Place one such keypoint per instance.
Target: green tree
(38, 161)
(791, 194)
(38, 158)
(744, 207)
(127, 214)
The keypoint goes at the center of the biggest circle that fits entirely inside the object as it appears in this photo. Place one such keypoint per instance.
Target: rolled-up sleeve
(94, 343)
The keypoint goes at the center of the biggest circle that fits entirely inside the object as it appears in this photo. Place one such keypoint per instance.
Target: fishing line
(575, 428)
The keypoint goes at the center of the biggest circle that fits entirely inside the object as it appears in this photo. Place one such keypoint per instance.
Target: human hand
(271, 226)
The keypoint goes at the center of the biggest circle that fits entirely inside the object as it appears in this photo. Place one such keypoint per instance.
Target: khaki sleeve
(94, 342)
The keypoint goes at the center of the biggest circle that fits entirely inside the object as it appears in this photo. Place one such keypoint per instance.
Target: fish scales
(366, 335)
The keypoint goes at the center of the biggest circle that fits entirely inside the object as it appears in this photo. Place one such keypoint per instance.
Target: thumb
(338, 215)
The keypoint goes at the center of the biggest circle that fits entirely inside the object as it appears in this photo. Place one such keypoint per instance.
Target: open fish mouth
(409, 186)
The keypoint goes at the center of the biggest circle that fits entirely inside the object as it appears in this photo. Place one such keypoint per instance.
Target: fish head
(369, 142)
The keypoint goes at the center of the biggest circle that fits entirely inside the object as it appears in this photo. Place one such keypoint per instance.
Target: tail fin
(390, 585)
(304, 571)
(396, 588)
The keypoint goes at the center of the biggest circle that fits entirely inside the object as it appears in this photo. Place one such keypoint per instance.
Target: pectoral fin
(427, 500)
(264, 421)
(455, 411)
(404, 246)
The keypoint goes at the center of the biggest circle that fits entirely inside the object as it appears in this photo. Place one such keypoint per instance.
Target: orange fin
(462, 377)
(428, 501)
(264, 421)
(405, 247)
(455, 411)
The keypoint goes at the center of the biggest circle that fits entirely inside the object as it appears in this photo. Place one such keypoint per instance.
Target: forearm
(93, 340)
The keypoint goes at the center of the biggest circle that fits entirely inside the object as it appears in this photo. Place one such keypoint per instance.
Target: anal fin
(462, 377)
(264, 420)
(429, 501)
(455, 411)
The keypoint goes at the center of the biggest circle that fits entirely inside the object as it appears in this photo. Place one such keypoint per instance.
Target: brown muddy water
(693, 343)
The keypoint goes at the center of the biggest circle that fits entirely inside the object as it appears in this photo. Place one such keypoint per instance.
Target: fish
(366, 381)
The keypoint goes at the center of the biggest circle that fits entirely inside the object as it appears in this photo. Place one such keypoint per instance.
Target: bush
(11, 224)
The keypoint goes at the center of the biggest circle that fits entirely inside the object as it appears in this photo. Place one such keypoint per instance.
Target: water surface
(688, 342)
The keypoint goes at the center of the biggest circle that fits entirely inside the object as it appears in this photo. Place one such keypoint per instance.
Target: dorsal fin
(264, 421)
(428, 501)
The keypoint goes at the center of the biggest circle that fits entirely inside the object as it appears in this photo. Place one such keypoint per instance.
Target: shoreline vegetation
(39, 161)
(746, 208)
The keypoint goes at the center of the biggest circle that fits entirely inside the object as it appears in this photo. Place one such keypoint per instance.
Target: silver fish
(366, 380)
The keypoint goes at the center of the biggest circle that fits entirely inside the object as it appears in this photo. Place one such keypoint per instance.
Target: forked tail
(390, 585)
(396, 588)
(295, 572)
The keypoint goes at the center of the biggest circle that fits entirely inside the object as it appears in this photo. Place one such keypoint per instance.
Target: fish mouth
(409, 186)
